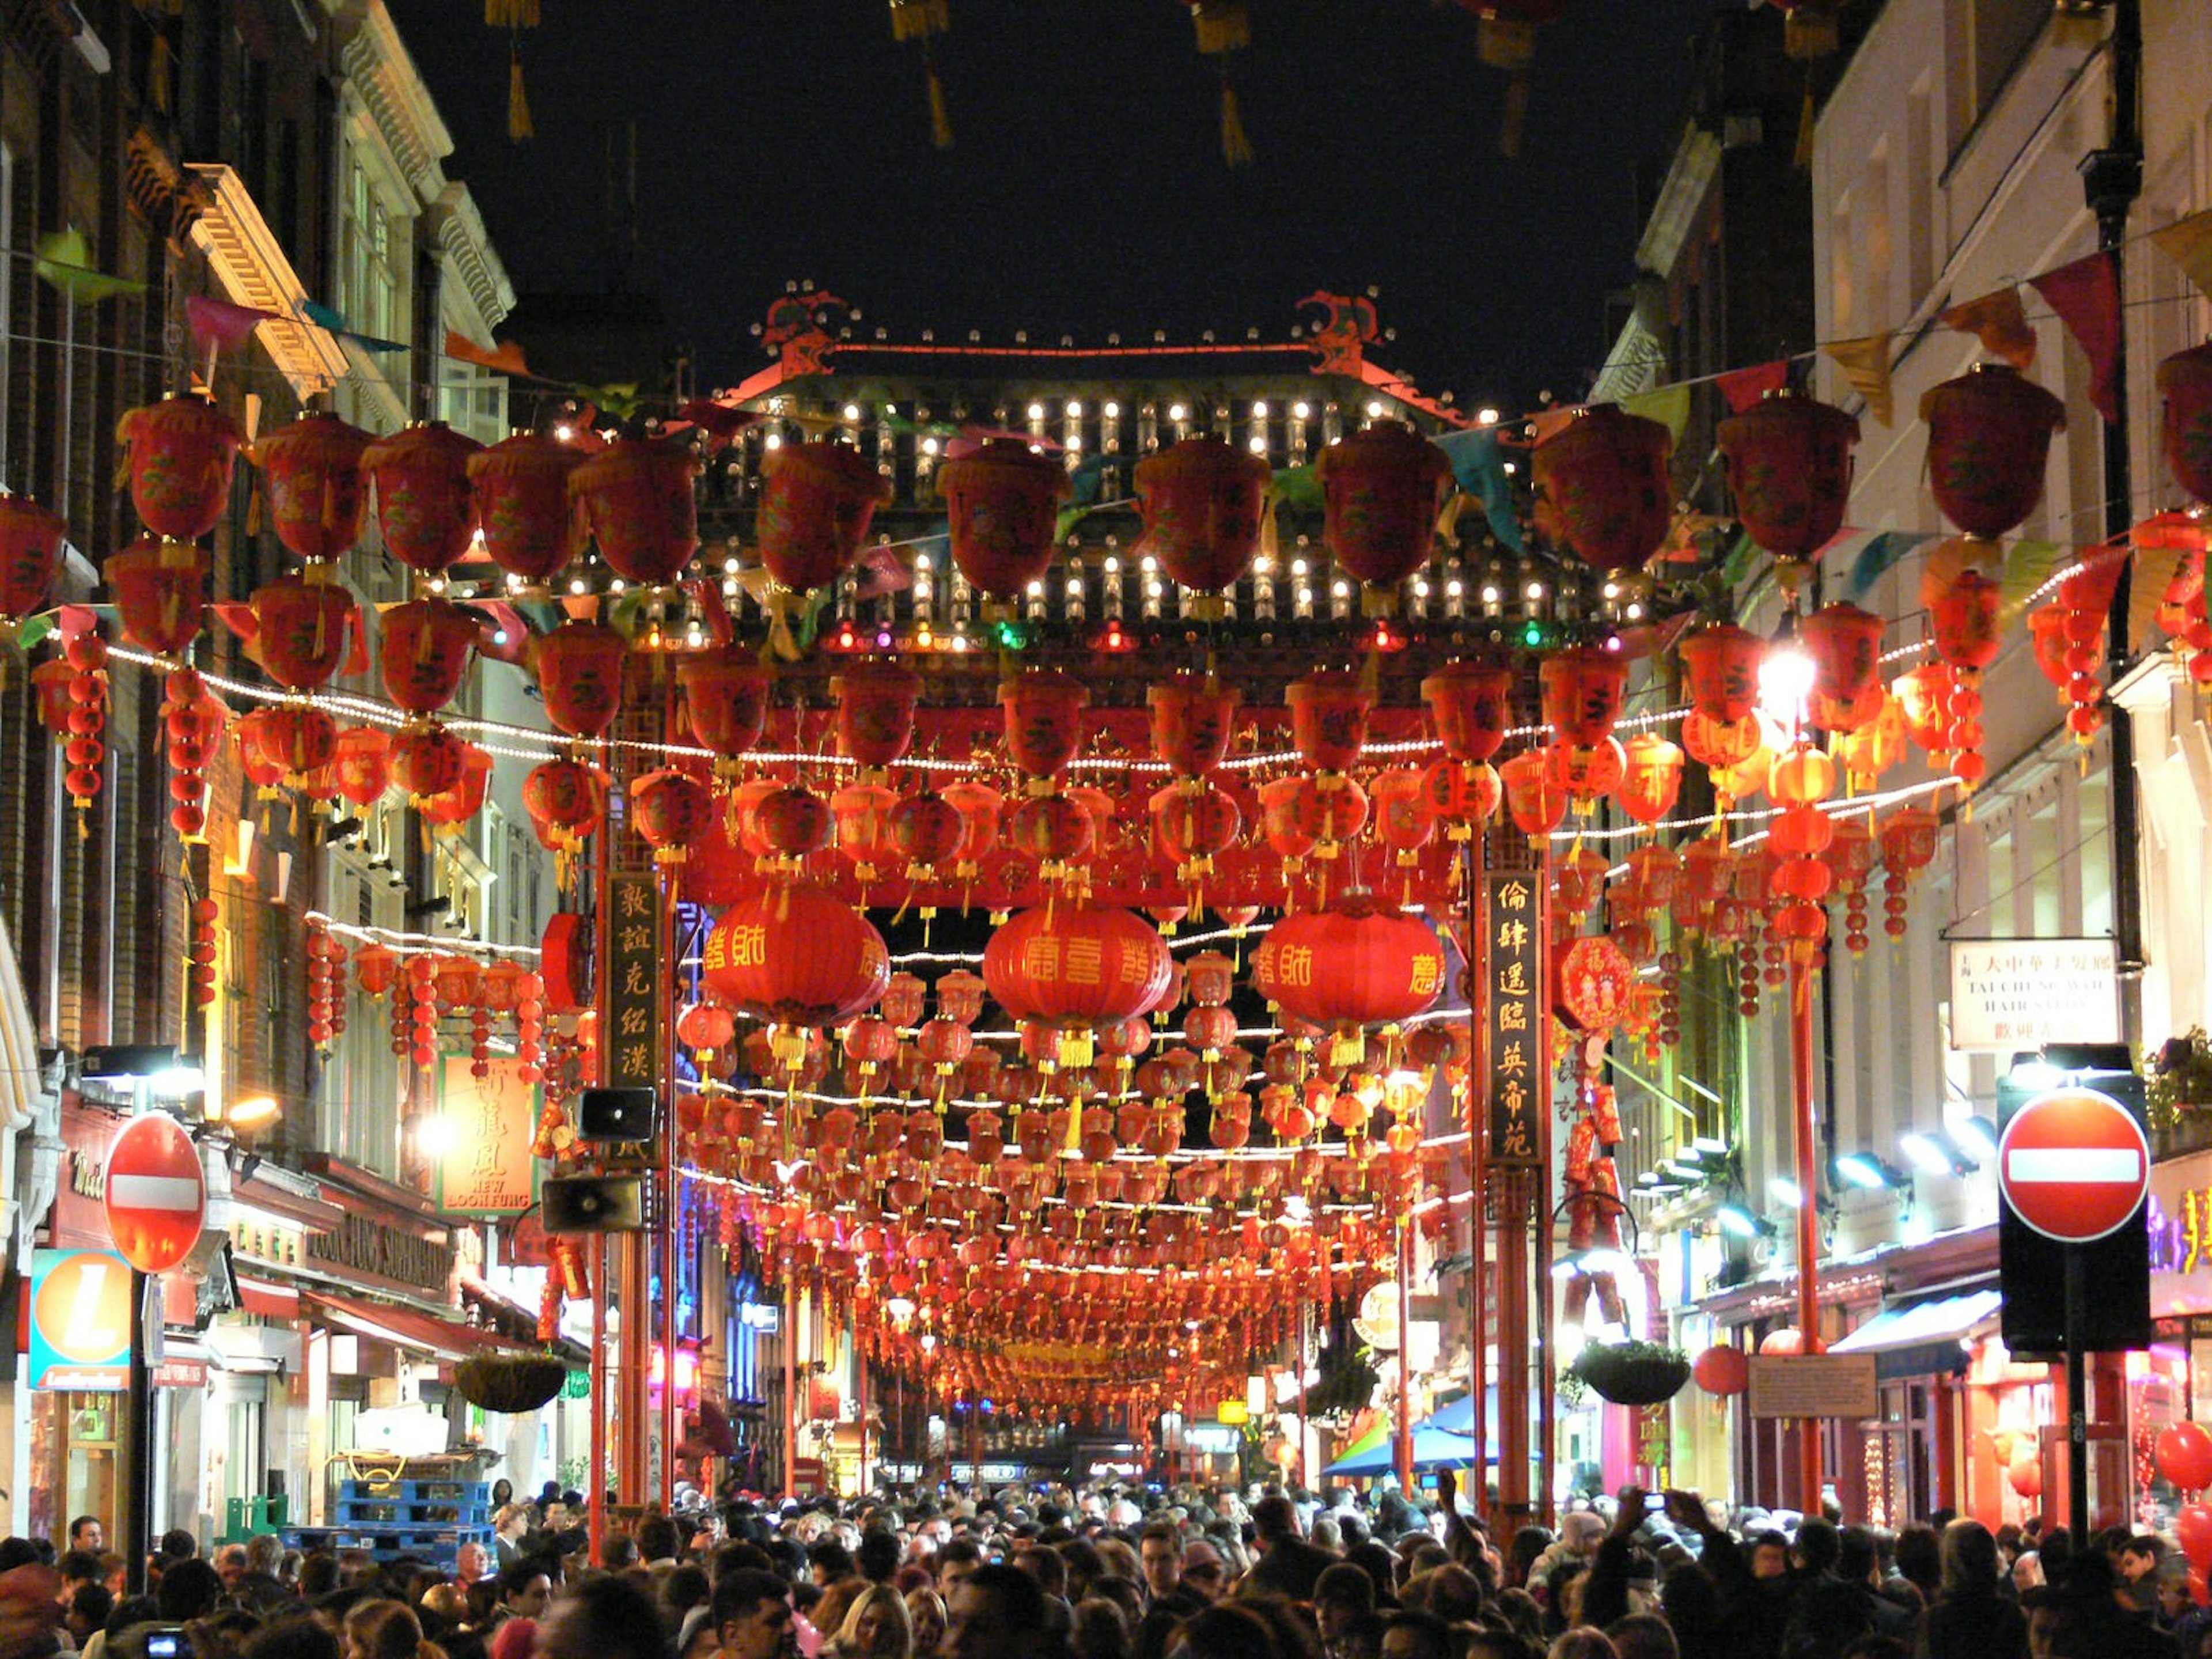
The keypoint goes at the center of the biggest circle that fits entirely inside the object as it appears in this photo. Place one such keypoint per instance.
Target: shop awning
(1927, 1337)
(258, 1296)
(446, 1339)
(1376, 1454)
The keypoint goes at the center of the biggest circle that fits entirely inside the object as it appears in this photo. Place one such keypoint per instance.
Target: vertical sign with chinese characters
(633, 976)
(1519, 1094)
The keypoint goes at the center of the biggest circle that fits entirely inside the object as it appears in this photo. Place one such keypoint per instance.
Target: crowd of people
(1113, 1573)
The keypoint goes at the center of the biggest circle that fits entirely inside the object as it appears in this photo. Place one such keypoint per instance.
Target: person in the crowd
(510, 1527)
(753, 1616)
(875, 1627)
(525, 1589)
(383, 1629)
(999, 1612)
(925, 1610)
(1288, 1566)
(606, 1617)
(86, 1532)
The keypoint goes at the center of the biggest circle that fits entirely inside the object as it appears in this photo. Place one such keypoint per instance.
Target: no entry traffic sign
(155, 1198)
(2074, 1164)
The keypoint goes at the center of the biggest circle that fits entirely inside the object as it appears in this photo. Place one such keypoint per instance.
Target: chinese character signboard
(1519, 1092)
(633, 976)
(2009, 994)
(82, 1315)
(486, 1167)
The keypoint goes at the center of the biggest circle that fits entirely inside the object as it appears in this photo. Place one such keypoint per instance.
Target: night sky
(1085, 193)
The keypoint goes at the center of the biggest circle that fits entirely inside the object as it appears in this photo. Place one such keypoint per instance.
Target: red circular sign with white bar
(156, 1197)
(2074, 1164)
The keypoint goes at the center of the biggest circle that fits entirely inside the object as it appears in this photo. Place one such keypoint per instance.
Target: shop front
(2172, 1382)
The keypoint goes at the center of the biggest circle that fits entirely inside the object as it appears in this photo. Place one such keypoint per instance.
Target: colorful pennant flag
(506, 357)
(1865, 363)
(1479, 468)
(1743, 388)
(1880, 554)
(1669, 406)
(1999, 321)
(2086, 295)
(2188, 243)
(217, 324)
(65, 262)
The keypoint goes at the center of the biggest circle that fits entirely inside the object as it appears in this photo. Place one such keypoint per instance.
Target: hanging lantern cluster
(200, 955)
(193, 719)
(326, 965)
(2069, 640)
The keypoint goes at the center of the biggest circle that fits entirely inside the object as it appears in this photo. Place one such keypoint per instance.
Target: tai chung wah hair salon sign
(2009, 994)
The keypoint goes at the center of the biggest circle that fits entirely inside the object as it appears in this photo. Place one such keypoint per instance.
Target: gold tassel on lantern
(1236, 148)
(918, 19)
(511, 14)
(1224, 26)
(940, 124)
(518, 100)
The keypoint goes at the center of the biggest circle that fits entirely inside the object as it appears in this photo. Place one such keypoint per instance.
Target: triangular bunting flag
(506, 357)
(325, 317)
(2028, 566)
(1997, 318)
(2188, 243)
(1743, 388)
(1669, 406)
(1544, 422)
(218, 323)
(1879, 555)
(1479, 468)
(2086, 295)
(65, 263)
(1865, 363)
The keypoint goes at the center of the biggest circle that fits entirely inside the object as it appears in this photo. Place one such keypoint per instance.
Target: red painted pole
(1809, 1218)
(1405, 1357)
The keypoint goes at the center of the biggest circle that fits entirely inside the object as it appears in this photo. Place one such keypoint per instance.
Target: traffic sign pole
(139, 1510)
(2077, 1404)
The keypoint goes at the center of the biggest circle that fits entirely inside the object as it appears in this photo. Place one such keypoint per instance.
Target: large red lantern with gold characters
(424, 507)
(1472, 704)
(424, 651)
(875, 711)
(671, 809)
(726, 693)
(1002, 500)
(1360, 961)
(159, 589)
(1201, 505)
(30, 537)
(312, 484)
(1077, 965)
(1788, 463)
(1381, 490)
(302, 629)
(798, 954)
(180, 452)
(520, 487)
(580, 675)
(1192, 719)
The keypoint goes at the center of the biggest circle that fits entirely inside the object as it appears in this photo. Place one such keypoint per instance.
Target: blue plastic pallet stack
(428, 1519)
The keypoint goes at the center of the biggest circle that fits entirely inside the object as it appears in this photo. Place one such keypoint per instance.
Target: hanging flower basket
(510, 1382)
(1633, 1373)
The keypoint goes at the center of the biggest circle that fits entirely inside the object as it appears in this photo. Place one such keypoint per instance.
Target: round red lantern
(1405, 815)
(1965, 613)
(1192, 718)
(1789, 465)
(1719, 666)
(862, 815)
(1786, 1340)
(288, 739)
(2185, 380)
(424, 506)
(180, 452)
(670, 809)
(1472, 704)
(875, 711)
(311, 484)
(638, 501)
(423, 651)
(566, 800)
(426, 761)
(1602, 487)
(303, 624)
(1989, 435)
(580, 673)
(979, 807)
(1055, 829)
(725, 692)
(158, 587)
(1077, 965)
(30, 537)
(1723, 1370)
(1466, 794)
(795, 954)
(1194, 822)
(1044, 720)
(1201, 504)
(1651, 777)
(1381, 490)
(1846, 645)
(1359, 962)
(927, 829)
(1583, 686)
(363, 764)
(1534, 797)
(1002, 500)
(519, 490)
(1328, 717)
(460, 801)
(817, 501)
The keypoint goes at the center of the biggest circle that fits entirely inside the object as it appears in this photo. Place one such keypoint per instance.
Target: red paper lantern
(1359, 962)
(726, 693)
(1194, 822)
(180, 452)
(1534, 797)
(1651, 778)
(566, 800)
(288, 740)
(637, 499)
(862, 814)
(1968, 635)
(363, 764)
(424, 506)
(1466, 794)
(1583, 686)
(1405, 815)
(1720, 665)
(2185, 380)
(1201, 504)
(519, 490)
(1044, 720)
(1846, 645)
(1602, 487)
(580, 673)
(817, 501)
(1381, 490)
(374, 968)
(158, 588)
(670, 809)
(927, 829)
(423, 653)
(1723, 1370)
(1003, 501)
(460, 801)
(1056, 829)
(312, 484)
(426, 761)
(1989, 435)
(979, 807)
(302, 632)
(1192, 719)
(875, 711)
(1789, 465)
(1328, 717)
(30, 537)
(793, 824)
(1472, 704)
(1077, 965)
(795, 954)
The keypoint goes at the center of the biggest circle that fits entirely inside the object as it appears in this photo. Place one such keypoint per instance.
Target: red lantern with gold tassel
(1583, 686)
(1908, 847)
(1381, 490)
(362, 765)
(862, 815)
(875, 712)
(158, 588)
(1201, 501)
(447, 810)
(423, 653)
(1534, 796)
(424, 509)
(180, 452)
(671, 809)
(1651, 777)
(303, 629)
(312, 484)
(426, 761)
(1192, 719)
(580, 676)
(725, 692)
(519, 490)
(979, 806)
(1788, 463)
(1328, 717)
(1602, 487)
(816, 502)
(1359, 962)
(1044, 721)
(1003, 501)
(1988, 436)
(795, 954)
(31, 539)
(637, 499)
(1844, 643)
(567, 803)
(1472, 705)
